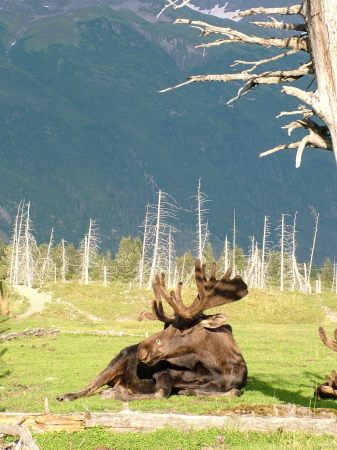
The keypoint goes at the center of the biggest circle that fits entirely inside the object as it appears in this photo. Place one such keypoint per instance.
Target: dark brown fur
(200, 354)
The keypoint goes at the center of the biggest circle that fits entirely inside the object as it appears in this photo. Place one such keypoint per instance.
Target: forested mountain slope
(85, 133)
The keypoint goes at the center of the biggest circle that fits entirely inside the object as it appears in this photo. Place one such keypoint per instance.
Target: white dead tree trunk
(308, 283)
(159, 229)
(105, 276)
(64, 262)
(234, 244)
(47, 262)
(315, 35)
(147, 237)
(265, 244)
(202, 224)
(297, 278)
(29, 247)
(89, 248)
(15, 253)
(282, 254)
(226, 254)
(253, 272)
(286, 253)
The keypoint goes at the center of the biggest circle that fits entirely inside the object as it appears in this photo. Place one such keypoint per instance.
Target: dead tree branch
(256, 64)
(292, 42)
(313, 30)
(276, 25)
(286, 10)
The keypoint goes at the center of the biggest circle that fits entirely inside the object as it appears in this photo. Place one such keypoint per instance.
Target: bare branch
(276, 25)
(296, 9)
(280, 147)
(311, 98)
(252, 80)
(317, 138)
(174, 4)
(301, 110)
(293, 42)
(263, 61)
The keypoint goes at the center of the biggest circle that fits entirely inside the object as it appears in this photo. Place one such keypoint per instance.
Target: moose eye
(158, 341)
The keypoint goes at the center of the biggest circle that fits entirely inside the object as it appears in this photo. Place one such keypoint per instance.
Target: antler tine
(158, 311)
(198, 303)
(213, 292)
(327, 341)
(213, 272)
(172, 298)
(227, 275)
(178, 294)
(157, 305)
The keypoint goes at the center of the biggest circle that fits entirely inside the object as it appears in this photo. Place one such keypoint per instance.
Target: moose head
(183, 330)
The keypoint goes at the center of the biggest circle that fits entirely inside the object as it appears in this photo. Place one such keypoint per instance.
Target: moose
(195, 353)
(329, 388)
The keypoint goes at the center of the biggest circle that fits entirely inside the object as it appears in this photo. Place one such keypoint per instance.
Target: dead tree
(130, 377)
(89, 248)
(313, 32)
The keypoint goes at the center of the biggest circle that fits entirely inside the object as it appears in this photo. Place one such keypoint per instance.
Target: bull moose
(195, 353)
(329, 388)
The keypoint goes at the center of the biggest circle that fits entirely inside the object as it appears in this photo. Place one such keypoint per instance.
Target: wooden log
(283, 419)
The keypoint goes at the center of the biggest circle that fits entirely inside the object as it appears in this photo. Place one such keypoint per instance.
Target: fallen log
(274, 419)
(26, 441)
(35, 332)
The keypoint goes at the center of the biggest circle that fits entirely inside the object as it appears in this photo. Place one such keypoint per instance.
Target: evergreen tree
(327, 274)
(126, 263)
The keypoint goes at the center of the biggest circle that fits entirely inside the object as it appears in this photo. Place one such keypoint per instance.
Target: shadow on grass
(292, 396)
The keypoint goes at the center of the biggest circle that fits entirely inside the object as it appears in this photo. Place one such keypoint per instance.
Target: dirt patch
(330, 314)
(80, 312)
(38, 300)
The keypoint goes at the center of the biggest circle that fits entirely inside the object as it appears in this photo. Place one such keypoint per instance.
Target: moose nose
(142, 354)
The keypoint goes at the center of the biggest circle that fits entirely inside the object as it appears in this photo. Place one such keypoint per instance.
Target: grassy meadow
(276, 332)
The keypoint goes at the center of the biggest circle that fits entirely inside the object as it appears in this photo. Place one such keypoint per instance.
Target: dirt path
(79, 311)
(37, 300)
(330, 314)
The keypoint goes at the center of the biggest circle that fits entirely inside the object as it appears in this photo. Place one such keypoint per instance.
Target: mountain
(85, 133)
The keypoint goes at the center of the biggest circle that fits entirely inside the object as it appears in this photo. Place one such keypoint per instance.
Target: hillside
(84, 132)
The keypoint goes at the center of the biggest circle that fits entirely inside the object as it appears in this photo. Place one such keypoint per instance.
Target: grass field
(277, 334)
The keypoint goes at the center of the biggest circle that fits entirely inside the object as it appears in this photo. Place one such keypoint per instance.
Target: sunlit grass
(172, 439)
(277, 334)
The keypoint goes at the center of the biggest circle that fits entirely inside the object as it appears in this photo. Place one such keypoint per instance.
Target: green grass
(172, 439)
(277, 334)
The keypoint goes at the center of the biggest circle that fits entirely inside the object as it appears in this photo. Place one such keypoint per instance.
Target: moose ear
(216, 321)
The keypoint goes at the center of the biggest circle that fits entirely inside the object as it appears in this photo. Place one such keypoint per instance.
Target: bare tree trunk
(64, 262)
(47, 260)
(321, 20)
(144, 249)
(312, 252)
(156, 242)
(234, 245)
(105, 276)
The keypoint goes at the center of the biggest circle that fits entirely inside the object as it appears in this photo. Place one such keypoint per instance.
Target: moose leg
(190, 382)
(179, 379)
(124, 363)
(108, 376)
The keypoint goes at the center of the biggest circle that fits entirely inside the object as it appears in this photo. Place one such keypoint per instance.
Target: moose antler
(211, 293)
(327, 341)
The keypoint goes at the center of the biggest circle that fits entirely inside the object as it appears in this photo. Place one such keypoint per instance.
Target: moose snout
(143, 354)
